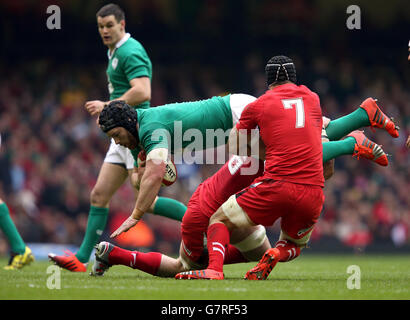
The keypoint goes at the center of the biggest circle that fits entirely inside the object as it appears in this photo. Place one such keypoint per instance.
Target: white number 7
(300, 110)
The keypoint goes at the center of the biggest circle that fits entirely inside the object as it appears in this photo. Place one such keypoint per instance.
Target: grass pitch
(308, 277)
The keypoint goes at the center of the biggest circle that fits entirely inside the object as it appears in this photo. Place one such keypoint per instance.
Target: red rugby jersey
(235, 175)
(289, 118)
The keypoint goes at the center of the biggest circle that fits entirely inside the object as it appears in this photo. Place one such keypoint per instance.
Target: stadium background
(52, 149)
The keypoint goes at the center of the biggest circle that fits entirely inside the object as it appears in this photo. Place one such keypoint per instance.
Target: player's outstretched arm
(150, 184)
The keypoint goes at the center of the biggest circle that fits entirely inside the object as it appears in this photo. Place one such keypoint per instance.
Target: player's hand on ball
(126, 225)
(94, 107)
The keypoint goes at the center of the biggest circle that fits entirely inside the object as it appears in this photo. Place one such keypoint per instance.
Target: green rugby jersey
(168, 126)
(129, 60)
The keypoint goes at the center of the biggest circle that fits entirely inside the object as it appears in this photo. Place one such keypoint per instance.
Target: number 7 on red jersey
(300, 110)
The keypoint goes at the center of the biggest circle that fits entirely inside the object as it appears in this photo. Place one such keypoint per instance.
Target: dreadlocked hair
(118, 114)
(280, 69)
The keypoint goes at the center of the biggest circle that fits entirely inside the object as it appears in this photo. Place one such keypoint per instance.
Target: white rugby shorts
(238, 102)
(119, 154)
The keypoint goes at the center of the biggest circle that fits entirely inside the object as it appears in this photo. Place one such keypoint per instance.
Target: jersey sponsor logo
(235, 164)
(114, 63)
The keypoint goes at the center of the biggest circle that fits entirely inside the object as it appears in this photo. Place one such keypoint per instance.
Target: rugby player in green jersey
(161, 131)
(129, 74)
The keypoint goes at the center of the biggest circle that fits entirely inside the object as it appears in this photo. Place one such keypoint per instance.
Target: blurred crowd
(52, 150)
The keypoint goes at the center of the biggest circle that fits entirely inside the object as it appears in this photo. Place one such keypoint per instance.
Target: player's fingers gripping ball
(171, 173)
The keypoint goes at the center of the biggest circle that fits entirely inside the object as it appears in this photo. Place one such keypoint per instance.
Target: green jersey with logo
(128, 61)
(177, 125)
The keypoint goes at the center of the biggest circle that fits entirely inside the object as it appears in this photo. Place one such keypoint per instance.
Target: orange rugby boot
(378, 119)
(68, 261)
(208, 274)
(366, 148)
(264, 267)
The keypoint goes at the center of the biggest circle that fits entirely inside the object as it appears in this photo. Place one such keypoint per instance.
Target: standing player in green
(129, 75)
(21, 255)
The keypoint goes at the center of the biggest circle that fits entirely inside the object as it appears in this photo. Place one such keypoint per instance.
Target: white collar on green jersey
(119, 44)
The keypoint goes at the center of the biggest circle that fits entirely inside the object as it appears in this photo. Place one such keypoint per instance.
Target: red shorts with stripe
(298, 205)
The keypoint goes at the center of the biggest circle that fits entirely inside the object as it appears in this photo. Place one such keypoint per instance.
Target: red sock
(233, 255)
(288, 250)
(147, 262)
(218, 240)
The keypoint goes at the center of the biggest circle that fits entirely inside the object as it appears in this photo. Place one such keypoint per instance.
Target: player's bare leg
(154, 263)
(226, 219)
(252, 242)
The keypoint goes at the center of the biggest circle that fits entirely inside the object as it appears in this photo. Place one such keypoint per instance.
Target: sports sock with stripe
(218, 240)
(97, 220)
(233, 255)
(148, 262)
(288, 250)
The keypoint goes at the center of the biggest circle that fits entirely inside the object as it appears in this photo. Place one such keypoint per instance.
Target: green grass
(308, 277)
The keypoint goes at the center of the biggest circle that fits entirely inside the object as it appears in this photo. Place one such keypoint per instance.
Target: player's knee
(220, 217)
(300, 243)
(254, 245)
(98, 198)
(187, 264)
(171, 269)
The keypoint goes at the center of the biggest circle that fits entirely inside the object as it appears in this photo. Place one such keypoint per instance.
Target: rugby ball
(170, 175)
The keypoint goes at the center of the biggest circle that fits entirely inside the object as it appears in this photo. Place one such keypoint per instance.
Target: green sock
(340, 127)
(170, 208)
(97, 219)
(9, 228)
(334, 149)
